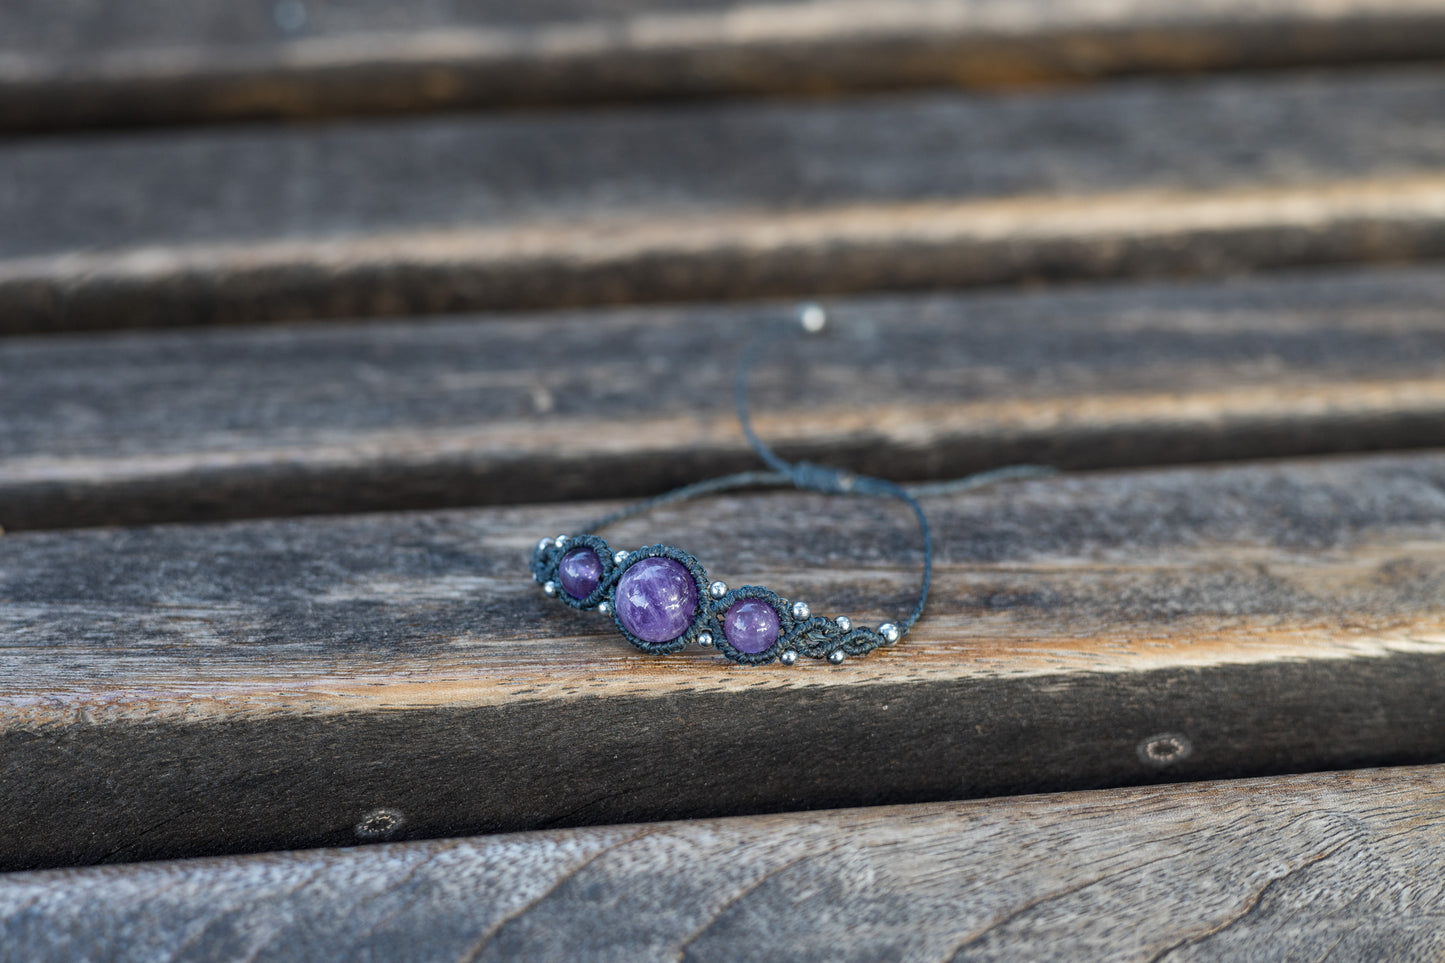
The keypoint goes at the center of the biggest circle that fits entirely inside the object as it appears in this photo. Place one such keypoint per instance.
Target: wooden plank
(1301, 867)
(157, 426)
(74, 63)
(194, 690)
(725, 201)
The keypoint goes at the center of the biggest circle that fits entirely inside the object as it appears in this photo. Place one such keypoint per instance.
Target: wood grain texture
(155, 426)
(70, 63)
(722, 201)
(195, 690)
(1332, 866)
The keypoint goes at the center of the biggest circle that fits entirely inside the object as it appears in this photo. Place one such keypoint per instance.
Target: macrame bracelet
(661, 599)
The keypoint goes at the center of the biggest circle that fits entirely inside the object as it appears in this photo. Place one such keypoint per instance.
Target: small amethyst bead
(579, 572)
(656, 599)
(751, 625)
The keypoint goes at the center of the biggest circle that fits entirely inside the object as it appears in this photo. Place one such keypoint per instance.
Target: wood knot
(379, 824)
(1165, 749)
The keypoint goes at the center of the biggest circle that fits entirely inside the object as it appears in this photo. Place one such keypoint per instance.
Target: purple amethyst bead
(579, 572)
(656, 599)
(751, 625)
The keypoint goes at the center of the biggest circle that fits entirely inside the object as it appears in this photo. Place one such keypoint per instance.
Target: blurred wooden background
(314, 316)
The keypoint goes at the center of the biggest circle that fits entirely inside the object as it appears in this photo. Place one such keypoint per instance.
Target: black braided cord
(800, 632)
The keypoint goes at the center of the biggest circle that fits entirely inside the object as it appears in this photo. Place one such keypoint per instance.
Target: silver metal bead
(704, 638)
(549, 589)
(813, 317)
(544, 544)
(788, 658)
(844, 623)
(619, 556)
(836, 657)
(801, 611)
(560, 541)
(718, 589)
(890, 633)
(605, 608)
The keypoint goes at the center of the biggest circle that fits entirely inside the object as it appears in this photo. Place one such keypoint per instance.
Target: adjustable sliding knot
(821, 478)
(810, 476)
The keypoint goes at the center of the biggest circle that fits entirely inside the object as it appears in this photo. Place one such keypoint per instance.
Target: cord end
(812, 317)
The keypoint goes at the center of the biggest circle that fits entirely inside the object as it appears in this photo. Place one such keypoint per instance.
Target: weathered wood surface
(69, 62)
(290, 420)
(722, 201)
(1332, 866)
(194, 690)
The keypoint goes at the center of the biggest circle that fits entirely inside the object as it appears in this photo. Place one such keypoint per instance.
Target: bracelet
(661, 599)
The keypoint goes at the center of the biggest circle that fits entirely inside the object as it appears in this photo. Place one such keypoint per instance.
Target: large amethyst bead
(579, 572)
(751, 625)
(656, 599)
